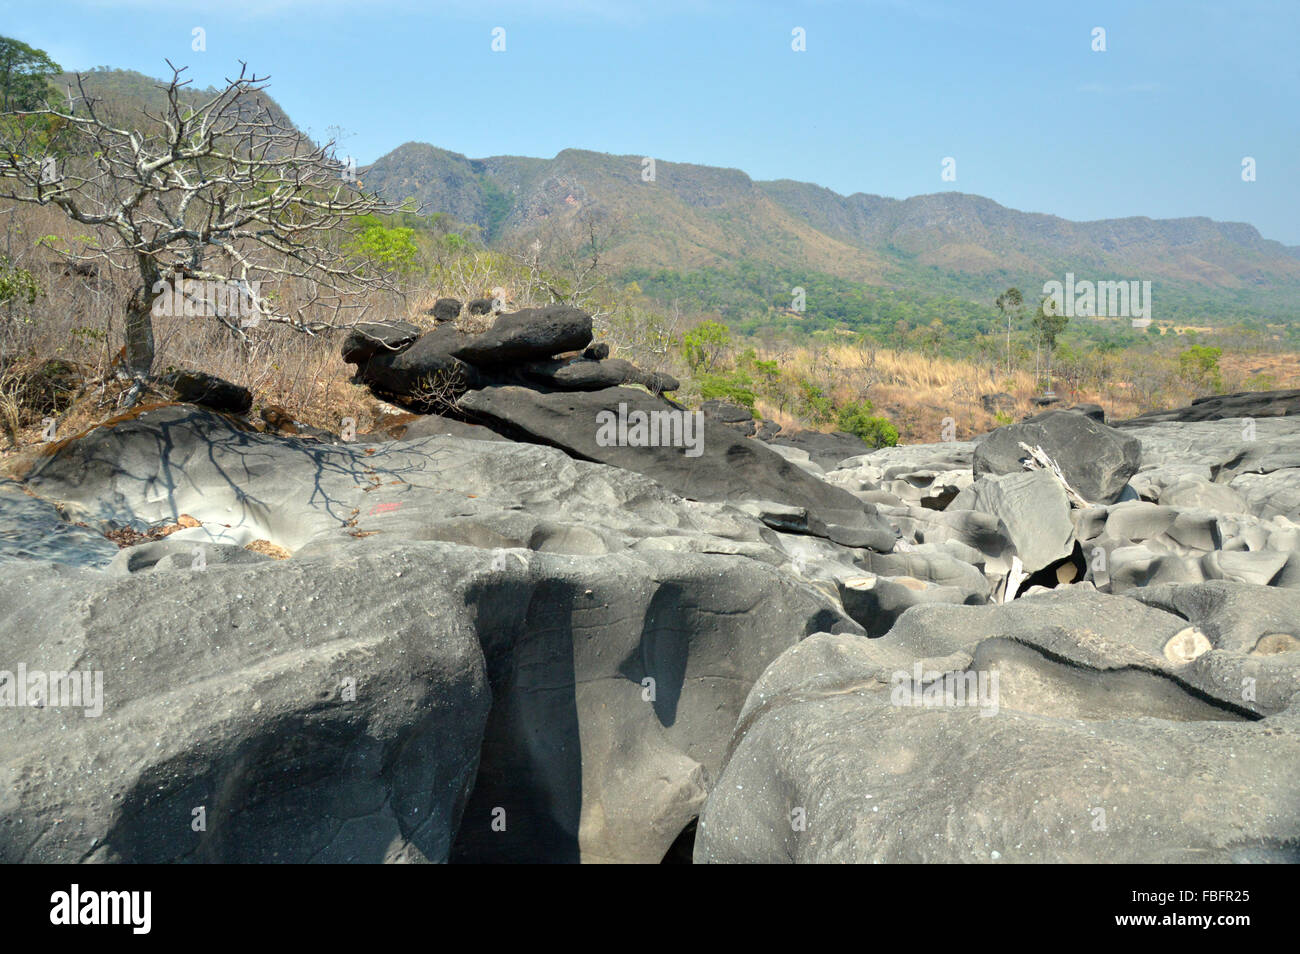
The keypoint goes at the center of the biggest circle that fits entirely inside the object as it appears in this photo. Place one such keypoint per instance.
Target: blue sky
(1156, 125)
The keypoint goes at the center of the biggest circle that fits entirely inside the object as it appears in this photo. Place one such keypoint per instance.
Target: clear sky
(1156, 125)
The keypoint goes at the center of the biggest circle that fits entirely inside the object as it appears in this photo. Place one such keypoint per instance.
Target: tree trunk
(1008, 346)
(139, 322)
(139, 345)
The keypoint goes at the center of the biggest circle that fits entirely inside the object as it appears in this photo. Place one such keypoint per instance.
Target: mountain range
(692, 217)
(694, 229)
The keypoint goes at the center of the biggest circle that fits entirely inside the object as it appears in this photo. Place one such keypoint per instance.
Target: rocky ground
(486, 634)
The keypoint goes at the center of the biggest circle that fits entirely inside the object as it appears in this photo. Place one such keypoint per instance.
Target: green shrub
(814, 403)
(1199, 365)
(735, 388)
(704, 345)
(390, 248)
(857, 419)
(17, 285)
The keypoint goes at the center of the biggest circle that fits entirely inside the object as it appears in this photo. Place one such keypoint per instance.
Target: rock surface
(1068, 757)
(826, 450)
(208, 390)
(370, 338)
(1033, 508)
(446, 309)
(498, 607)
(510, 632)
(727, 466)
(1221, 406)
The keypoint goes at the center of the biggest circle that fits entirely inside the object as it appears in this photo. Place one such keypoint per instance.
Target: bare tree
(644, 335)
(215, 191)
(565, 260)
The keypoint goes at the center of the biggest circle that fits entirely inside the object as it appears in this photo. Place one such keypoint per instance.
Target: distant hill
(690, 217)
(698, 219)
(125, 95)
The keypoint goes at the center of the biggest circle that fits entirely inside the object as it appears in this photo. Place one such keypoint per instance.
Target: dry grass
(266, 547)
(918, 393)
(915, 392)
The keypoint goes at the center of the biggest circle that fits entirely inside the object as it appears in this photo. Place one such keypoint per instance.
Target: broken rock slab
(1034, 509)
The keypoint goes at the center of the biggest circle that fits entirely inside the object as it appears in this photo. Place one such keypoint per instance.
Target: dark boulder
(999, 403)
(1094, 411)
(445, 309)
(825, 450)
(658, 382)
(726, 413)
(480, 306)
(735, 416)
(581, 374)
(710, 461)
(528, 335)
(425, 368)
(1219, 406)
(210, 391)
(1097, 460)
(369, 338)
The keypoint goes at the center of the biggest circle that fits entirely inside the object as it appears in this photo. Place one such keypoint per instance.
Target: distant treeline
(753, 298)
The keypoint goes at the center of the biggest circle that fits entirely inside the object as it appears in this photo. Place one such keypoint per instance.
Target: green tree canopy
(24, 75)
(1049, 324)
(392, 248)
(704, 345)
(1199, 365)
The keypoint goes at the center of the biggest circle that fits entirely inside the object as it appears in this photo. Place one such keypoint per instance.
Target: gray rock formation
(369, 338)
(1034, 510)
(525, 630)
(208, 390)
(582, 374)
(445, 309)
(908, 749)
(528, 335)
(1221, 406)
(564, 641)
(698, 459)
(826, 450)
